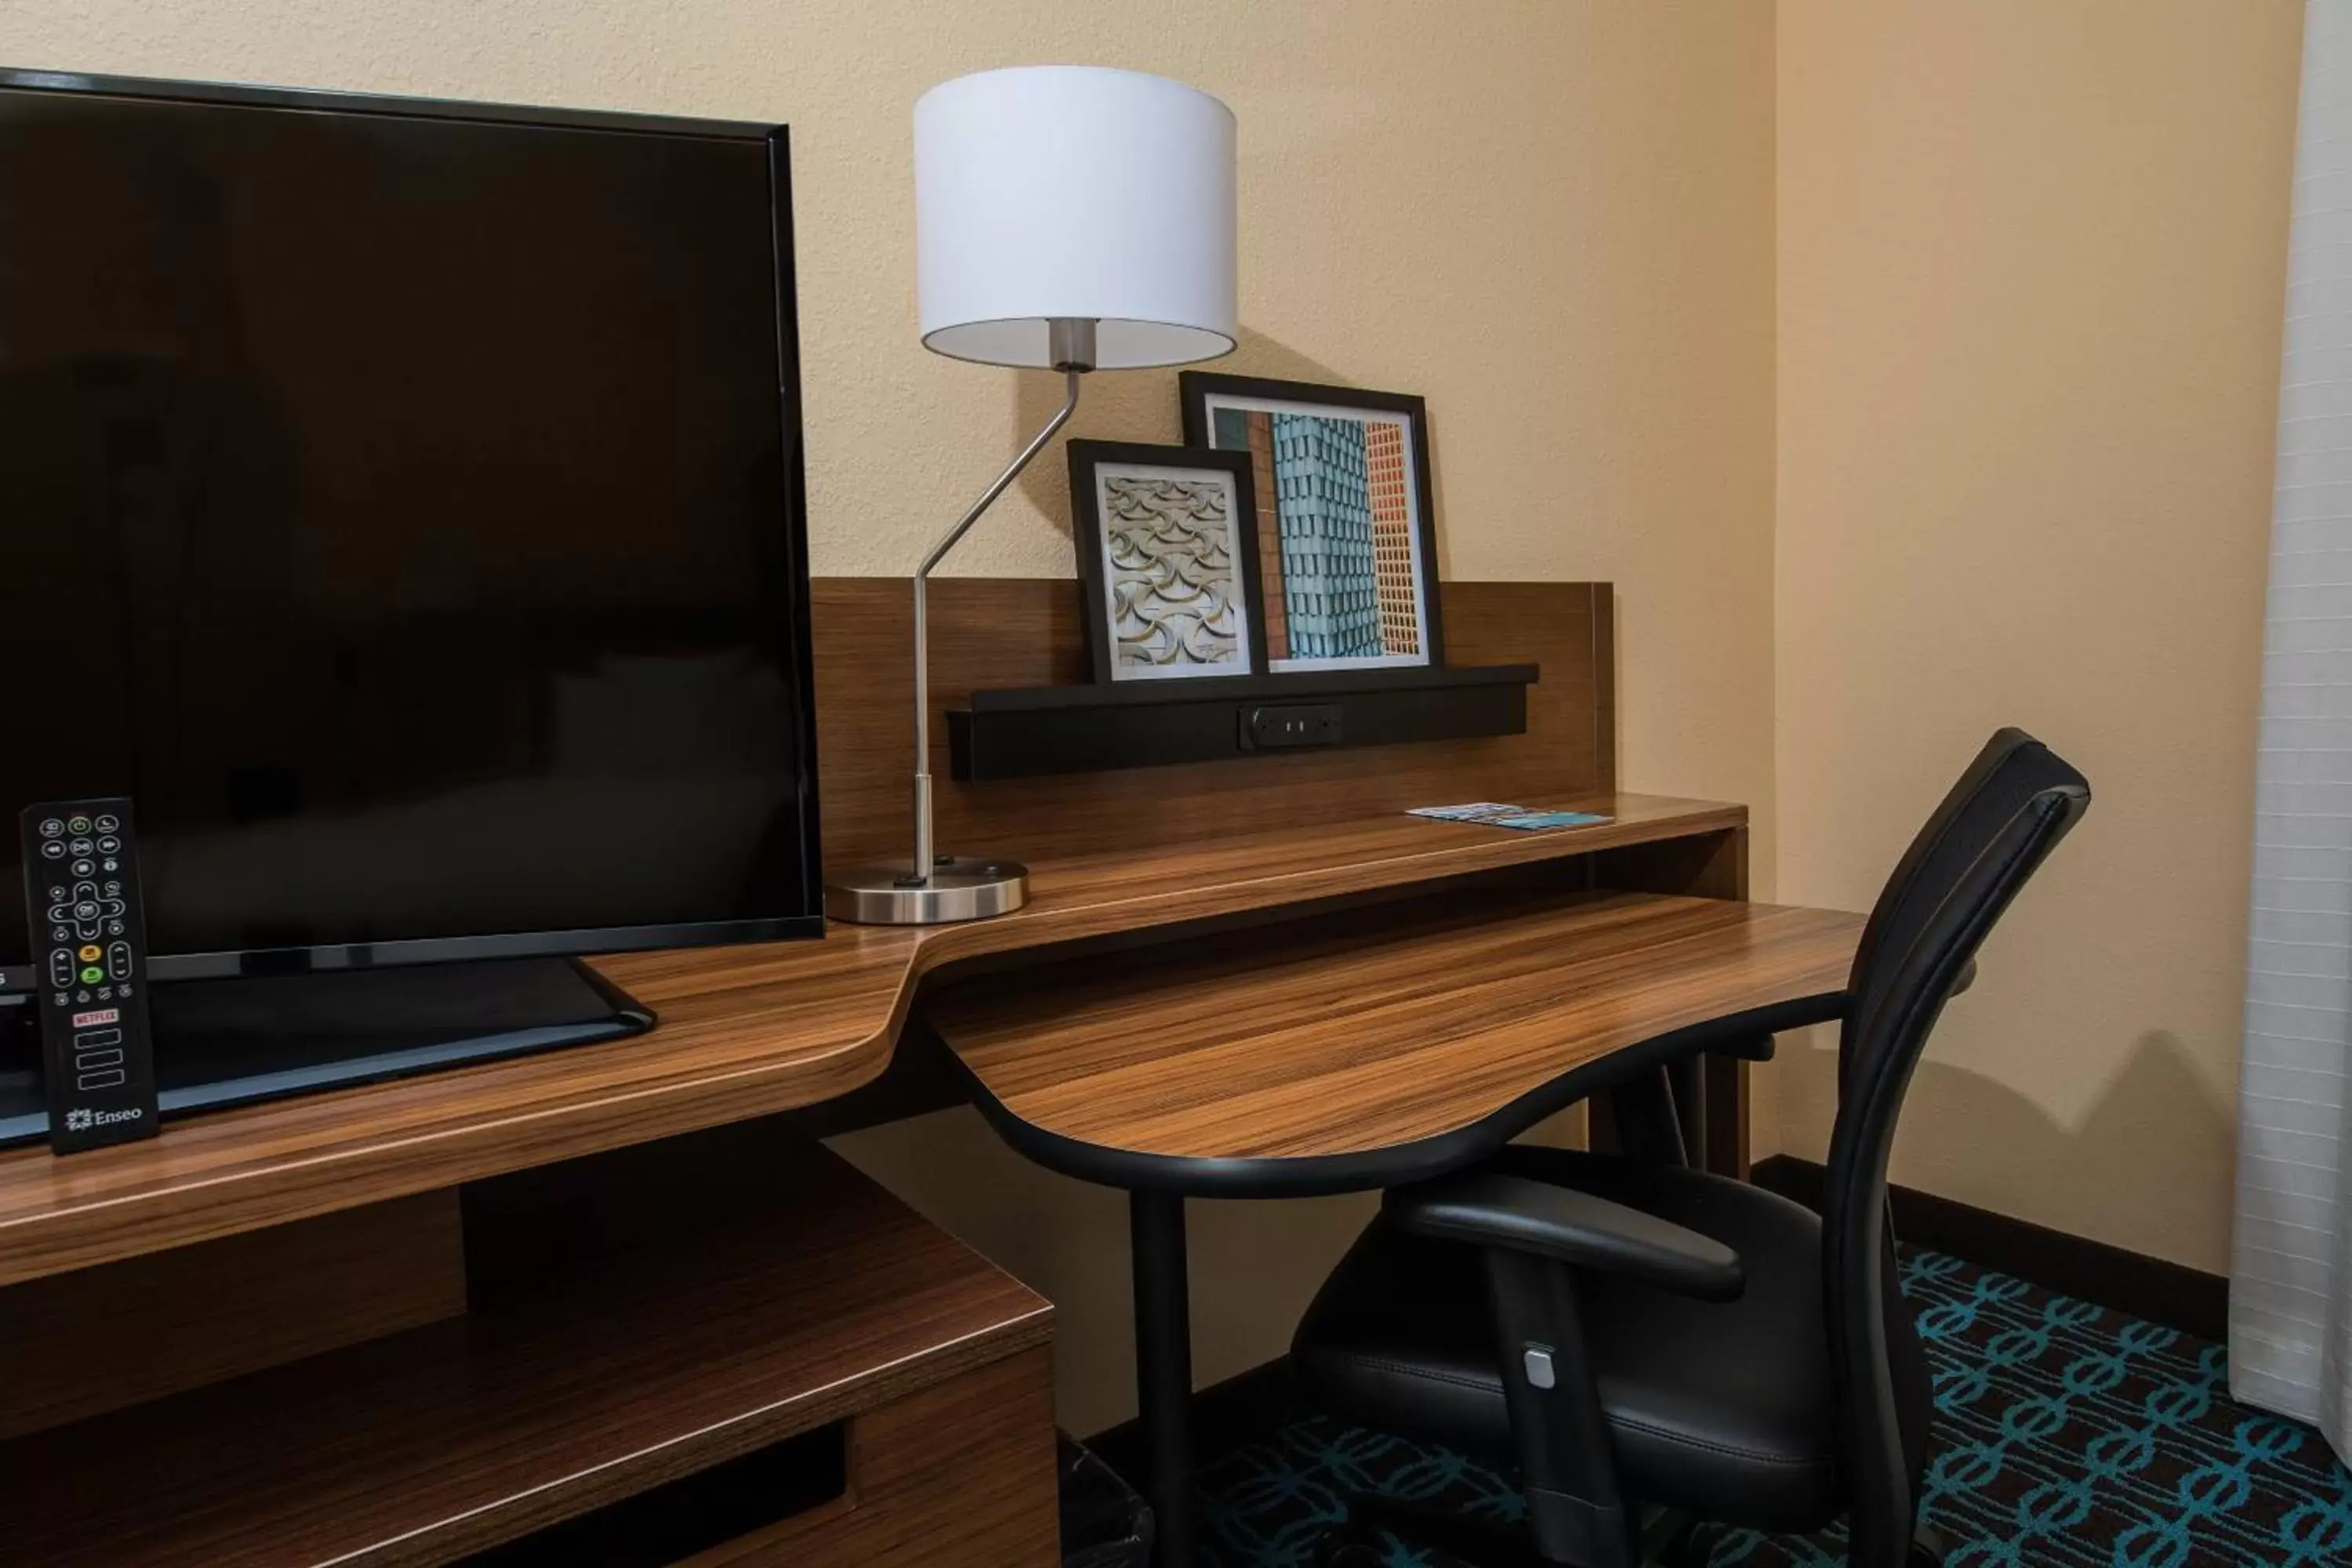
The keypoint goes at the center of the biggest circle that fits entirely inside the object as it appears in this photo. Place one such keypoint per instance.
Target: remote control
(89, 954)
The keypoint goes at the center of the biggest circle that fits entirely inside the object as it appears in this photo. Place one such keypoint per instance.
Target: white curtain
(2291, 1269)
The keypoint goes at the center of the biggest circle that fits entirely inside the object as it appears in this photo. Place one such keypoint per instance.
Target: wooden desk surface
(745, 1032)
(1377, 1048)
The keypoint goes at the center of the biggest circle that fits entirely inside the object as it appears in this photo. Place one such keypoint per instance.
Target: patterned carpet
(2067, 1437)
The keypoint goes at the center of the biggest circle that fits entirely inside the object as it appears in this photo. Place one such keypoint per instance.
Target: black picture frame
(1196, 389)
(1087, 459)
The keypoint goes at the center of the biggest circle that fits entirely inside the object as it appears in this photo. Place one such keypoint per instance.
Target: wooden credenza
(644, 1342)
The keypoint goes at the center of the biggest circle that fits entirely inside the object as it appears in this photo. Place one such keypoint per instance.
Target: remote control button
(58, 911)
(52, 827)
(61, 967)
(84, 868)
(114, 927)
(109, 846)
(78, 824)
(114, 890)
(91, 974)
(60, 999)
(87, 910)
(81, 996)
(60, 933)
(109, 865)
(89, 954)
(85, 890)
(57, 892)
(110, 907)
(123, 989)
(86, 930)
(81, 846)
(109, 823)
(53, 850)
(118, 961)
(98, 1079)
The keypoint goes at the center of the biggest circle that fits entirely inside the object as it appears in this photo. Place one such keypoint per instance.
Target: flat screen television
(401, 503)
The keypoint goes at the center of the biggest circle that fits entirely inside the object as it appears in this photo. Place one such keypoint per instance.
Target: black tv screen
(402, 503)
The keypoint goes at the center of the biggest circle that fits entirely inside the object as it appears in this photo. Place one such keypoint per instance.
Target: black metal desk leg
(1688, 1076)
(1163, 1367)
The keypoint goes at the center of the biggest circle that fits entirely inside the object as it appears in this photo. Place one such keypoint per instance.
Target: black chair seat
(1725, 1408)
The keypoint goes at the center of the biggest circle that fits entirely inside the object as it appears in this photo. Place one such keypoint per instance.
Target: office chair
(1632, 1333)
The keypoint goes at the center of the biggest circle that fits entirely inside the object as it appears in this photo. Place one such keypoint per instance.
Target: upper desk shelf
(1096, 726)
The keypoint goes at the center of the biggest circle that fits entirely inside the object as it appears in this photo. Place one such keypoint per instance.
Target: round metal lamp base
(961, 888)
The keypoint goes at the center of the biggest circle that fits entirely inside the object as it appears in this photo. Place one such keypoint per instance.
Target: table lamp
(1071, 219)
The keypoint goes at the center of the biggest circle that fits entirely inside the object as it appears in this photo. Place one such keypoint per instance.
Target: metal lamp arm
(920, 872)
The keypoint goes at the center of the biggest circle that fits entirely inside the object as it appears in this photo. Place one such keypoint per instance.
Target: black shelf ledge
(1150, 723)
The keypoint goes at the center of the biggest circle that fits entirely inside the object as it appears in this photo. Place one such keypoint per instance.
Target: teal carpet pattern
(2067, 1435)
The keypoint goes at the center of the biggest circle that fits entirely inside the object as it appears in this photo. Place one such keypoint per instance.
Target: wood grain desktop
(744, 1032)
(1348, 1038)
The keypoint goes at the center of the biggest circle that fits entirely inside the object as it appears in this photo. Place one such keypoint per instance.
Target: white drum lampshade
(1077, 194)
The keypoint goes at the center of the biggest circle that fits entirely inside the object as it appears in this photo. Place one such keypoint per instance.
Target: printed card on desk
(1496, 814)
(1476, 810)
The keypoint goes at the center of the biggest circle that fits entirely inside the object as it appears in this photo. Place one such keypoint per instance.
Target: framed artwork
(1347, 545)
(1168, 554)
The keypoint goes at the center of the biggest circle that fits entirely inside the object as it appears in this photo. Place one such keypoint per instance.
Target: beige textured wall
(1552, 220)
(2032, 274)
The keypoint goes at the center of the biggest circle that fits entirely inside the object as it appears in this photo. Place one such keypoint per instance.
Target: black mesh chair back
(2000, 821)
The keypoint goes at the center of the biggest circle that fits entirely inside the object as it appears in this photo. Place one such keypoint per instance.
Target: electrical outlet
(1298, 724)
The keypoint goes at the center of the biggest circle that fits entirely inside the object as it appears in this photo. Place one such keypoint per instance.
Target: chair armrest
(1487, 1208)
(1755, 1048)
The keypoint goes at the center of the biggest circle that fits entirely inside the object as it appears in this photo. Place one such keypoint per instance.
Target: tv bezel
(230, 963)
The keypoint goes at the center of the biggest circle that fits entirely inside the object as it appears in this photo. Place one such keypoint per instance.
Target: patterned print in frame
(1167, 545)
(1345, 544)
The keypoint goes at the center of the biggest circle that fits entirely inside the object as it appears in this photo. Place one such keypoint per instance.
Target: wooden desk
(744, 1032)
(1385, 1046)
(222, 1209)
(346, 1249)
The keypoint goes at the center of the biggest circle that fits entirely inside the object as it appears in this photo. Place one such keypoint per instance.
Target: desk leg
(1688, 1076)
(1163, 1367)
(1645, 1122)
(1727, 1114)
